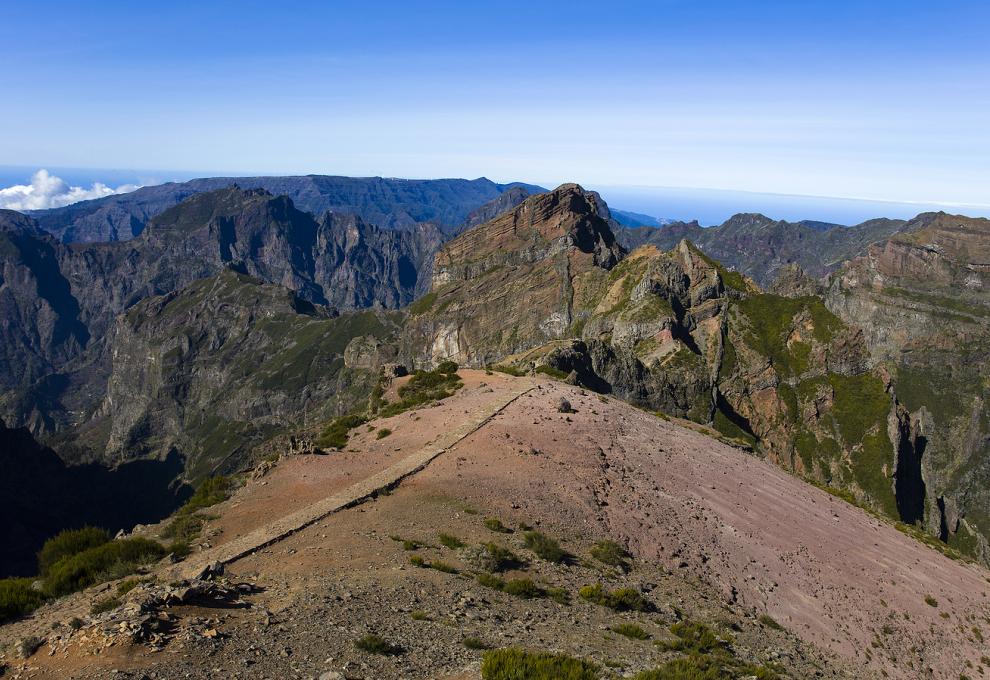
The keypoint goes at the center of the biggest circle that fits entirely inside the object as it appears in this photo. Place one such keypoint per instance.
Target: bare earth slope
(716, 535)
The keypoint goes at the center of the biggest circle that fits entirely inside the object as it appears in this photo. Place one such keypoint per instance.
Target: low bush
(104, 605)
(769, 622)
(496, 558)
(443, 566)
(18, 598)
(694, 638)
(449, 541)
(621, 599)
(631, 630)
(707, 657)
(102, 563)
(931, 601)
(491, 581)
(210, 492)
(419, 615)
(447, 367)
(382, 433)
(551, 372)
(417, 561)
(545, 547)
(509, 370)
(493, 524)
(518, 664)
(474, 643)
(374, 644)
(184, 527)
(338, 431)
(68, 543)
(424, 387)
(559, 595)
(523, 587)
(410, 545)
(610, 553)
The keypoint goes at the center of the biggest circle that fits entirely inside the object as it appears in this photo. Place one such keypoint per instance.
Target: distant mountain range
(387, 203)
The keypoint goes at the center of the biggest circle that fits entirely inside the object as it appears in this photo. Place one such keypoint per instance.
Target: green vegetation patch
(631, 631)
(610, 553)
(621, 599)
(373, 644)
(518, 664)
(554, 373)
(424, 387)
(18, 598)
(545, 547)
(68, 543)
(508, 370)
(771, 321)
(336, 434)
(102, 563)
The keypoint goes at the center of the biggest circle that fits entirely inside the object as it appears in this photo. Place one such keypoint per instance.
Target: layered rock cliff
(922, 299)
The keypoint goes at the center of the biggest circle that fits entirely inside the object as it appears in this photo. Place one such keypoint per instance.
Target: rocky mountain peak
(541, 226)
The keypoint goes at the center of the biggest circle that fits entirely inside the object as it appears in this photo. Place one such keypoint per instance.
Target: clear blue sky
(883, 100)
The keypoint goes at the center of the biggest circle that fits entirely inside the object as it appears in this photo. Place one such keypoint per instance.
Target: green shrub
(695, 638)
(474, 643)
(769, 622)
(509, 370)
(447, 367)
(68, 543)
(497, 558)
(931, 601)
(102, 563)
(631, 630)
(621, 600)
(18, 598)
(417, 561)
(185, 527)
(552, 372)
(518, 664)
(610, 553)
(449, 541)
(104, 605)
(559, 595)
(179, 549)
(212, 491)
(424, 387)
(545, 547)
(443, 566)
(374, 644)
(491, 581)
(382, 433)
(523, 587)
(493, 524)
(128, 585)
(410, 545)
(336, 434)
(419, 615)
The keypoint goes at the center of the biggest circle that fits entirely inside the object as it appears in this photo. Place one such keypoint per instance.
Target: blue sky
(877, 100)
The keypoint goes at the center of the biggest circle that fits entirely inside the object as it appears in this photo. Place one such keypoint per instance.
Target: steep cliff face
(547, 286)
(61, 301)
(922, 299)
(216, 367)
(500, 286)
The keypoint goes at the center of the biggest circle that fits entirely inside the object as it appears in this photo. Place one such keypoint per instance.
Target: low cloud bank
(48, 191)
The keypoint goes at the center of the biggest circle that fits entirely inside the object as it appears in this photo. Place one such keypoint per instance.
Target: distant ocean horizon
(709, 207)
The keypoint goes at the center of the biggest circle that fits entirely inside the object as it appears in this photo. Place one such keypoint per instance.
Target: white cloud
(48, 191)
